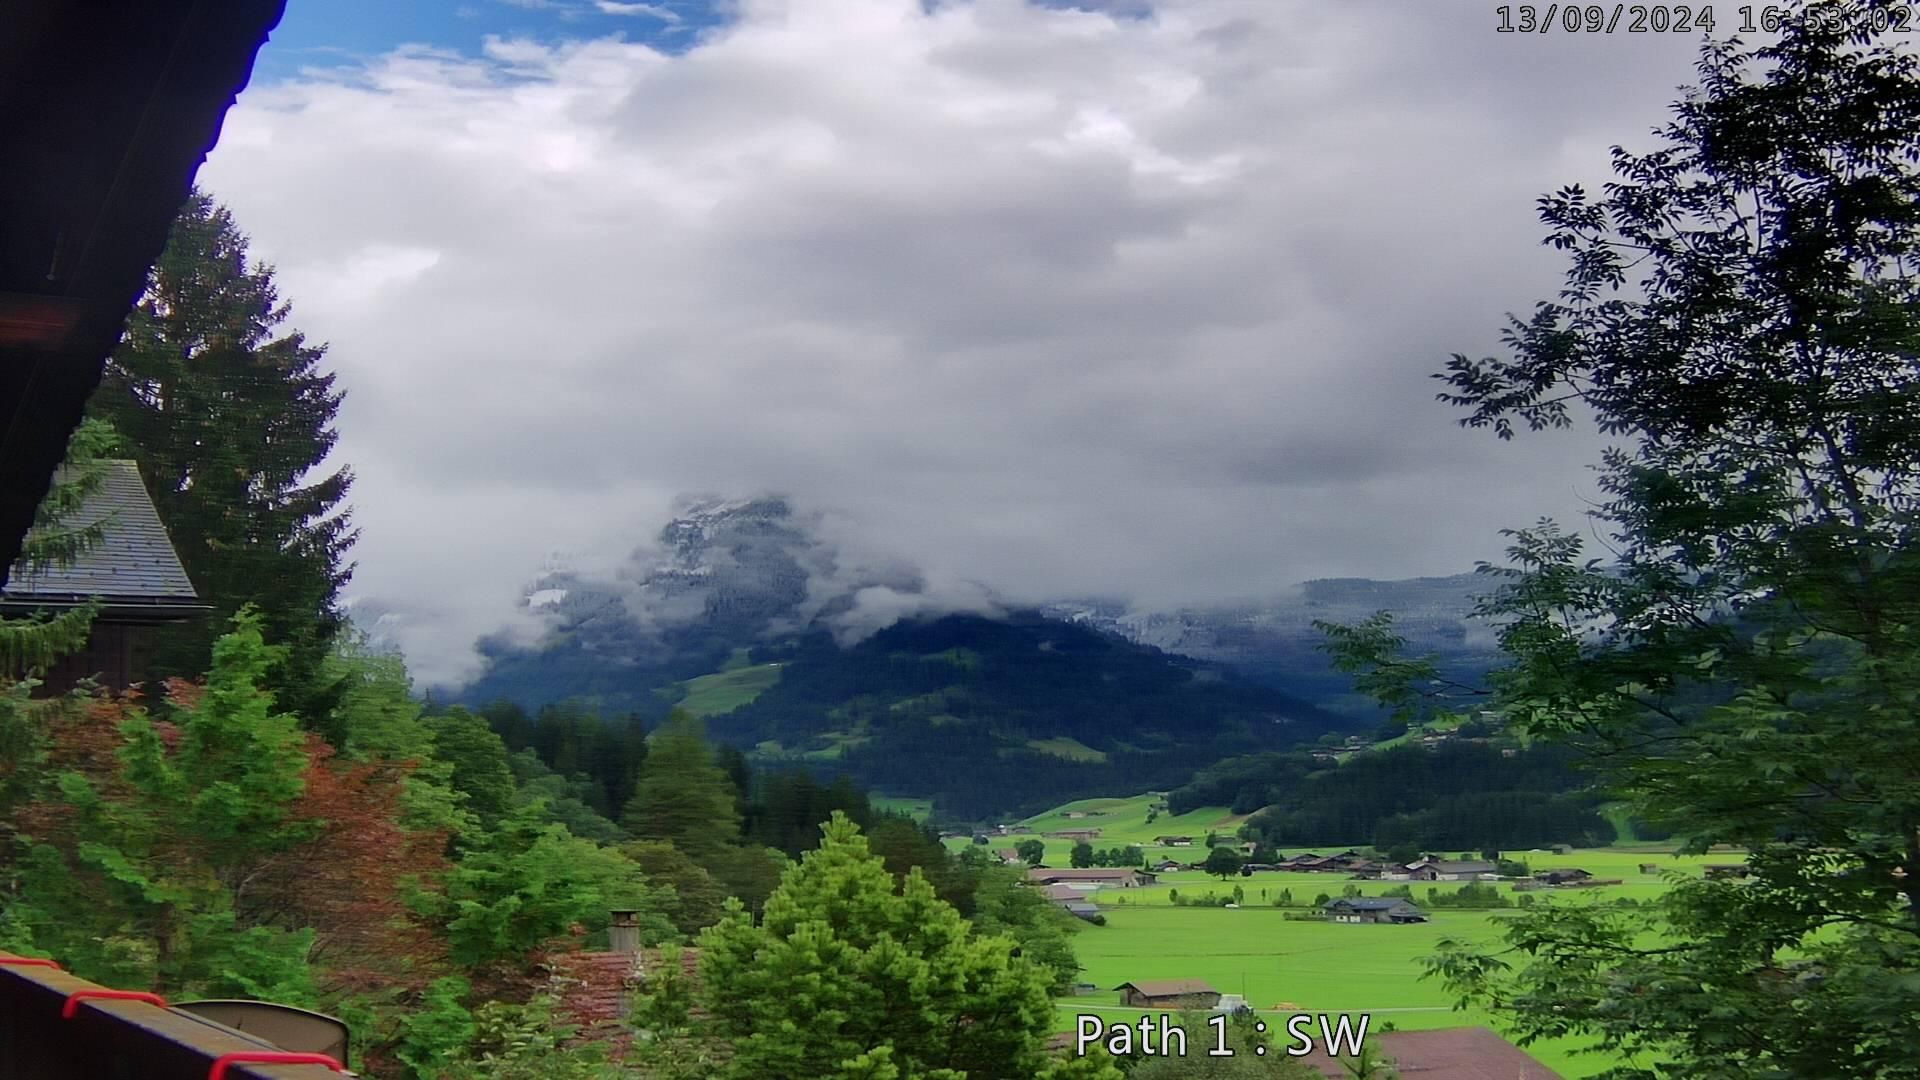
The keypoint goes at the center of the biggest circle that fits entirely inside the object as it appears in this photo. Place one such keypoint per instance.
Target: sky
(1136, 300)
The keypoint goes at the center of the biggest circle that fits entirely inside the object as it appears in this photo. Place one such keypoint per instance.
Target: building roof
(1448, 866)
(133, 568)
(1168, 987)
(1370, 903)
(106, 122)
(590, 984)
(1092, 873)
(1445, 1054)
(1064, 892)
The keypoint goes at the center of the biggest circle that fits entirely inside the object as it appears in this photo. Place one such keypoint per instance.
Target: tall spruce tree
(682, 796)
(231, 420)
(1743, 314)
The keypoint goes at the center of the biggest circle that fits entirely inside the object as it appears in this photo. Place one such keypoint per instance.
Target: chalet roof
(1168, 987)
(591, 983)
(1064, 892)
(134, 566)
(1092, 873)
(1370, 903)
(1445, 1054)
(1448, 866)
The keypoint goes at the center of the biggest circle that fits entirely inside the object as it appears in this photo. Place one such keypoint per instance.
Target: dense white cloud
(1056, 300)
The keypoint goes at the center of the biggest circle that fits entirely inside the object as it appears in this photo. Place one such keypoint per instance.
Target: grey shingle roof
(1369, 903)
(133, 565)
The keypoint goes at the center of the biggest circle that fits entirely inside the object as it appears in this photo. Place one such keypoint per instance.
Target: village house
(1092, 877)
(1443, 1054)
(1565, 876)
(1448, 870)
(1082, 909)
(1373, 909)
(133, 573)
(1169, 994)
(1174, 841)
(594, 991)
(1008, 857)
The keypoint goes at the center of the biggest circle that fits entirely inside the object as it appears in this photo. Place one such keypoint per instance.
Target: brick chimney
(623, 934)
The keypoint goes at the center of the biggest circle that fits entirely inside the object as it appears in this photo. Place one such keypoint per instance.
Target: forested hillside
(1456, 796)
(991, 716)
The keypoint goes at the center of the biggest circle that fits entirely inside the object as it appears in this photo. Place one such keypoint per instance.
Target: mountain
(1274, 642)
(1007, 714)
(804, 650)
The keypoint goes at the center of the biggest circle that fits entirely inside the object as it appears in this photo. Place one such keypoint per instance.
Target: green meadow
(725, 691)
(1283, 966)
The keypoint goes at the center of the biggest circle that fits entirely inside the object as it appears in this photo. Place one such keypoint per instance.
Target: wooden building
(1169, 994)
(1373, 909)
(133, 573)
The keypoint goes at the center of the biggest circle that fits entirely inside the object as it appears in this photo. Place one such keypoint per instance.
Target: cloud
(1060, 301)
(651, 11)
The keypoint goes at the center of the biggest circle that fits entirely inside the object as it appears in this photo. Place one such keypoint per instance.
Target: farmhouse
(1008, 857)
(132, 572)
(1444, 1054)
(1168, 994)
(1174, 841)
(1445, 870)
(1093, 877)
(1366, 909)
(1568, 876)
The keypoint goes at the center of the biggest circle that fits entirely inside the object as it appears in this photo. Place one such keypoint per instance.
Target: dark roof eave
(111, 607)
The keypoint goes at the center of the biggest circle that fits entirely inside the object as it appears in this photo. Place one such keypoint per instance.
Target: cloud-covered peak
(1065, 300)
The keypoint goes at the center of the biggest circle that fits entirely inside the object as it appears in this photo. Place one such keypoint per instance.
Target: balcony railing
(54, 1027)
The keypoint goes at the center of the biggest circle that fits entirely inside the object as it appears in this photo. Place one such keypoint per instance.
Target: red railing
(46, 1034)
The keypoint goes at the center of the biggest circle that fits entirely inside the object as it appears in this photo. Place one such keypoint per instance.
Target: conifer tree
(846, 977)
(682, 796)
(38, 640)
(231, 421)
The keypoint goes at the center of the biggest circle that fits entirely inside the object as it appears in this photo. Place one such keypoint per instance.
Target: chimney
(623, 934)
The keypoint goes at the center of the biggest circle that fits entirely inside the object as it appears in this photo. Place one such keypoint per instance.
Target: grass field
(917, 809)
(725, 691)
(1064, 747)
(1304, 966)
(1286, 966)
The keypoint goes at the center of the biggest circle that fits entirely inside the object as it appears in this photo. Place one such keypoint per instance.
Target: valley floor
(1282, 966)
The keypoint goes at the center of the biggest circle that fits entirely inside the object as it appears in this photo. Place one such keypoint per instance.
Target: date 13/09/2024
(1681, 18)
(1159, 1034)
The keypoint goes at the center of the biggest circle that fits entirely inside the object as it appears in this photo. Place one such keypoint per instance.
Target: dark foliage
(1458, 795)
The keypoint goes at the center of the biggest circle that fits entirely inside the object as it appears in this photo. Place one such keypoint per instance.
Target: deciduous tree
(1742, 315)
